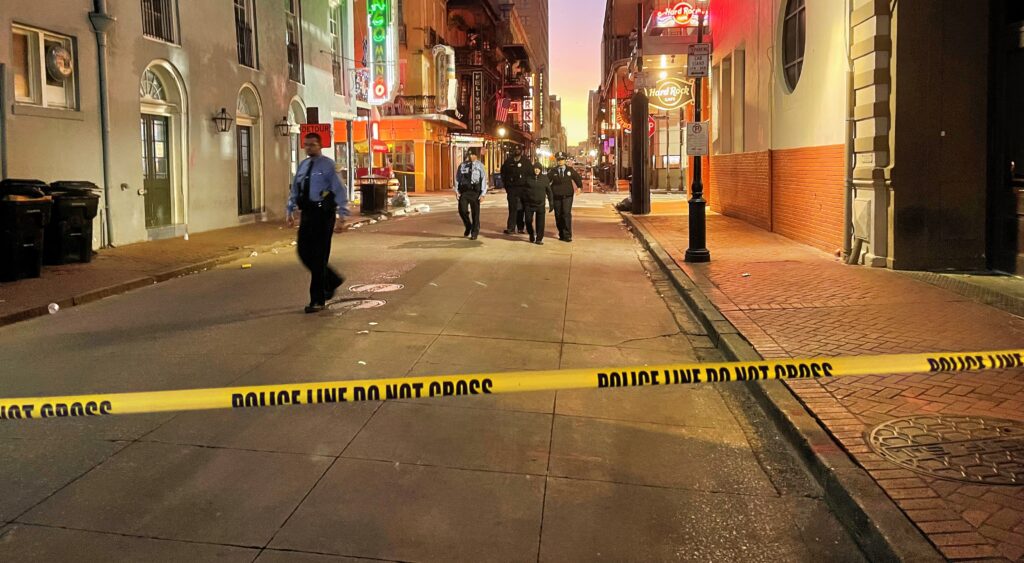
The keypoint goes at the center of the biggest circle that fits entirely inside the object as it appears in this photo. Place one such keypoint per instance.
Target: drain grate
(959, 448)
(355, 303)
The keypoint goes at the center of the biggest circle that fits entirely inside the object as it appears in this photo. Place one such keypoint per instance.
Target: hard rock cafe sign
(670, 93)
(683, 14)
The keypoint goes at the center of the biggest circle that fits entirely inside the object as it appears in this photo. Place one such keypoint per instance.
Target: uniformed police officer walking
(470, 188)
(514, 173)
(563, 177)
(537, 191)
(319, 195)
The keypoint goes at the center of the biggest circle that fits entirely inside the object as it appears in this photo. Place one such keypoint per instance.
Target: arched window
(151, 88)
(794, 37)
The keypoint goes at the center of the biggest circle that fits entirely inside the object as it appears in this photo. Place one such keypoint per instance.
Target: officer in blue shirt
(319, 195)
(470, 188)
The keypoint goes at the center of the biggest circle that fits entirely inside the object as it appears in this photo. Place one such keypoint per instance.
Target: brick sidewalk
(791, 300)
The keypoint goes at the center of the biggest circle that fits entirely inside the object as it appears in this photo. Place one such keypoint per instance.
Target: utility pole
(698, 251)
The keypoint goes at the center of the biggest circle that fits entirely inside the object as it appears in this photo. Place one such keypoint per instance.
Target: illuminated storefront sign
(381, 58)
(670, 93)
(682, 14)
(478, 102)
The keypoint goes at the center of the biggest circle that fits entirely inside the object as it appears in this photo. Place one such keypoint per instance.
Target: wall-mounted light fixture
(223, 120)
(283, 127)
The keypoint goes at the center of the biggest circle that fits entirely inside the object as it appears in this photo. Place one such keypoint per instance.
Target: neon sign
(682, 14)
(381, 57)
(670, 93)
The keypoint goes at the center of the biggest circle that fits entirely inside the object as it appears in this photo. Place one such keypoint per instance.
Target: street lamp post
(698, 251)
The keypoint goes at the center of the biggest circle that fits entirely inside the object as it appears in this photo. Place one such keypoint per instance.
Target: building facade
(170, 167)
(887, 133)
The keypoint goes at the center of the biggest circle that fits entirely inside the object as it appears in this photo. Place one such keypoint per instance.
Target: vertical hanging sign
(478, 101)
(381, 58)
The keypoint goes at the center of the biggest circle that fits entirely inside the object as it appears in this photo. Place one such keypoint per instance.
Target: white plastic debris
(373, 221)
(363, 332)
(374, 324)
(53, 308)
(433, 284)
(362, 363)
(253, 254)
(480, 283)
(274, 251)
(383, 217)
(745, 275)
(294, 243)
(186, 236)
(246, 266)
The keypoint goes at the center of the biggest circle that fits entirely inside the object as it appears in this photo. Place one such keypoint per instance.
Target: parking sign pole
(698, 251)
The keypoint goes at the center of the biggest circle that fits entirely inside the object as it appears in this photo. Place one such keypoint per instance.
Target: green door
(156, 170)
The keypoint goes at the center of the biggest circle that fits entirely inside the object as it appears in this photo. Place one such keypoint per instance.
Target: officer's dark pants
(535, 221)
(315, 232)
(563, 216)
(516, 212)
(469, 204)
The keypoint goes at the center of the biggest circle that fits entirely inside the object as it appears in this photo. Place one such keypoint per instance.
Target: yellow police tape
(494, 383)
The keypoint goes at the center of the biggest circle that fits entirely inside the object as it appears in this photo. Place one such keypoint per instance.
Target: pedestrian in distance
(566, 183)
(514, 173)
(470, 188)
(537, 192)
(320, 197)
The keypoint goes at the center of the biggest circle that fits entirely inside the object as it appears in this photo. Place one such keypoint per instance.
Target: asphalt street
(666, 474)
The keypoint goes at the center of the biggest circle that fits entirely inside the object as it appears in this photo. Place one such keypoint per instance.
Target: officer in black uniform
(536, 193)
(470, 188)
(514, 173)
(563, 177)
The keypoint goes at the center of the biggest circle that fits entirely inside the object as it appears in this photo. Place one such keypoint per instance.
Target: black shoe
(472, 236)
(532, 239)
(567, 239)
(314, 308)
(509, 232)
(522, 231)
(539, 242)
(467, 233)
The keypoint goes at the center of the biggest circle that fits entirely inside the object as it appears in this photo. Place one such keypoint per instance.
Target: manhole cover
(375, 287)
(960, 448)
(342, 305)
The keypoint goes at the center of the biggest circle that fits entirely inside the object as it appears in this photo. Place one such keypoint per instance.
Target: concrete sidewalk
(117, 270)
(789, 300)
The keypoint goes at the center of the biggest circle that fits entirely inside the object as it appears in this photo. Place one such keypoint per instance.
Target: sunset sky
(575, 50)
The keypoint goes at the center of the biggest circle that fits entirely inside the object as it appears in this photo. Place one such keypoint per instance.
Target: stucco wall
(814, 113)
(205, 59)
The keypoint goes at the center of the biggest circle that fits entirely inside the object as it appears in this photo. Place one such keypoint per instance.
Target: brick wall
(740, 187)
(797, 193)
(807, 196)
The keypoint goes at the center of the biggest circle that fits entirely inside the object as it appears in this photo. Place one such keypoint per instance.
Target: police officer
(514, 173)
(470, 188)
(319, 195)
(563, 177)
(537, 191)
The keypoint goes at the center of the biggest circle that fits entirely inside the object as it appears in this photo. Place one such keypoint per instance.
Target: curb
(180, 271)
(879, 527)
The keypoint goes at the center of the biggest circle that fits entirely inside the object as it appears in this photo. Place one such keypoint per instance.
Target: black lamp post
(698, 251)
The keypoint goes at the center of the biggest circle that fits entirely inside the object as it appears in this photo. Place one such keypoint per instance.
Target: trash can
(68, 237)
(373, 193)
(24, 213)
(496, 181)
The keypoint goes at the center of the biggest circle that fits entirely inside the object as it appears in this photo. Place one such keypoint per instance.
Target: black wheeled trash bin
(68, 237)
(373, 194)
(24, 213)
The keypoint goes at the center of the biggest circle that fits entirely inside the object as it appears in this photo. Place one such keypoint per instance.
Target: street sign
(698, 59)
(323, 130)
(697, 139)
(651, 126)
